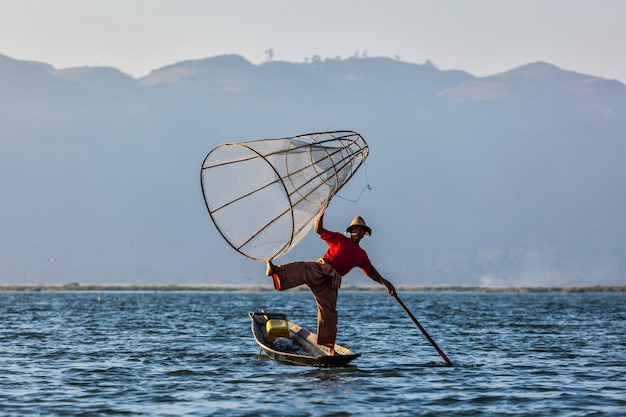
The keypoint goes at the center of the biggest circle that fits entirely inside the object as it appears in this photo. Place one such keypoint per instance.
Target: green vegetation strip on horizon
(200, 288)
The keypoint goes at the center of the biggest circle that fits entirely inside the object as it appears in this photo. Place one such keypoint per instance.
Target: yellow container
(275, 329)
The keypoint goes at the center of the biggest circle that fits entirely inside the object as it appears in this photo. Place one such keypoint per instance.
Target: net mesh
(263, 196)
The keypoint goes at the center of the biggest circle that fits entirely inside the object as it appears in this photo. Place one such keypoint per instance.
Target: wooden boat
(300, 348)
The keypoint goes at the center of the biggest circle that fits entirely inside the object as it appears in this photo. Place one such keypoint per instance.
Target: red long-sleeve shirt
(343, 254)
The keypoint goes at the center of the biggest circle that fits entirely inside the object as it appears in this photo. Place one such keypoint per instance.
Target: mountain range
(511, 179)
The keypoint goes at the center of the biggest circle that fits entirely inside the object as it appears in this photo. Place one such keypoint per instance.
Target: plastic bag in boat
(283, 344)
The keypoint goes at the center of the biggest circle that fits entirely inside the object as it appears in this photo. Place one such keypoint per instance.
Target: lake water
(193, 354)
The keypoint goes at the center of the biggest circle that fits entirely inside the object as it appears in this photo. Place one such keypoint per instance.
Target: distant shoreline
(74, 287)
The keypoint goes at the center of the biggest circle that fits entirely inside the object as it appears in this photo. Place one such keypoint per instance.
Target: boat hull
(303, 347)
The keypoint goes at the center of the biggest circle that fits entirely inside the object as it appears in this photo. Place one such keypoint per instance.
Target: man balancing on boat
(323, 277)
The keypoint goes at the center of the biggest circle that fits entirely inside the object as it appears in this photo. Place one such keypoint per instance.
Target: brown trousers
(324, 283)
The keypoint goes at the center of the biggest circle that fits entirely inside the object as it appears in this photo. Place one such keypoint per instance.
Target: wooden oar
(430, 339)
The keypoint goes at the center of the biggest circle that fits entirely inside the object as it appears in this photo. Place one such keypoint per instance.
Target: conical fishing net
(264, 195)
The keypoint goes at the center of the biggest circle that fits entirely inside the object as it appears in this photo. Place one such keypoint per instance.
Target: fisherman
(323, 277)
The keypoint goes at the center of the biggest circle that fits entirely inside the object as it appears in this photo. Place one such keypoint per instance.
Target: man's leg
(289, 275)
(327, 317)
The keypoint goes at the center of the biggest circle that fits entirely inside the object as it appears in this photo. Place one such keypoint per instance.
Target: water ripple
(172, 354)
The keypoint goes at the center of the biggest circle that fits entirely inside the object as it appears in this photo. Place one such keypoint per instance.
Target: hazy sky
(482, 37)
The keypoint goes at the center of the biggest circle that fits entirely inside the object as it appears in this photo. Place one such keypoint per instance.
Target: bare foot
(270, 268)
(332, 351)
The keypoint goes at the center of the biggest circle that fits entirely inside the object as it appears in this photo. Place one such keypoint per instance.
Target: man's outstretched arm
(319, 223)
(375, 276)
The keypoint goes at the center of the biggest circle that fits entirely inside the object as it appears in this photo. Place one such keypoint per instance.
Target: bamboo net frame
(263, 196)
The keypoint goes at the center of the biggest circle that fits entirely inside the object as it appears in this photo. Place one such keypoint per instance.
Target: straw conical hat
(358, 221)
